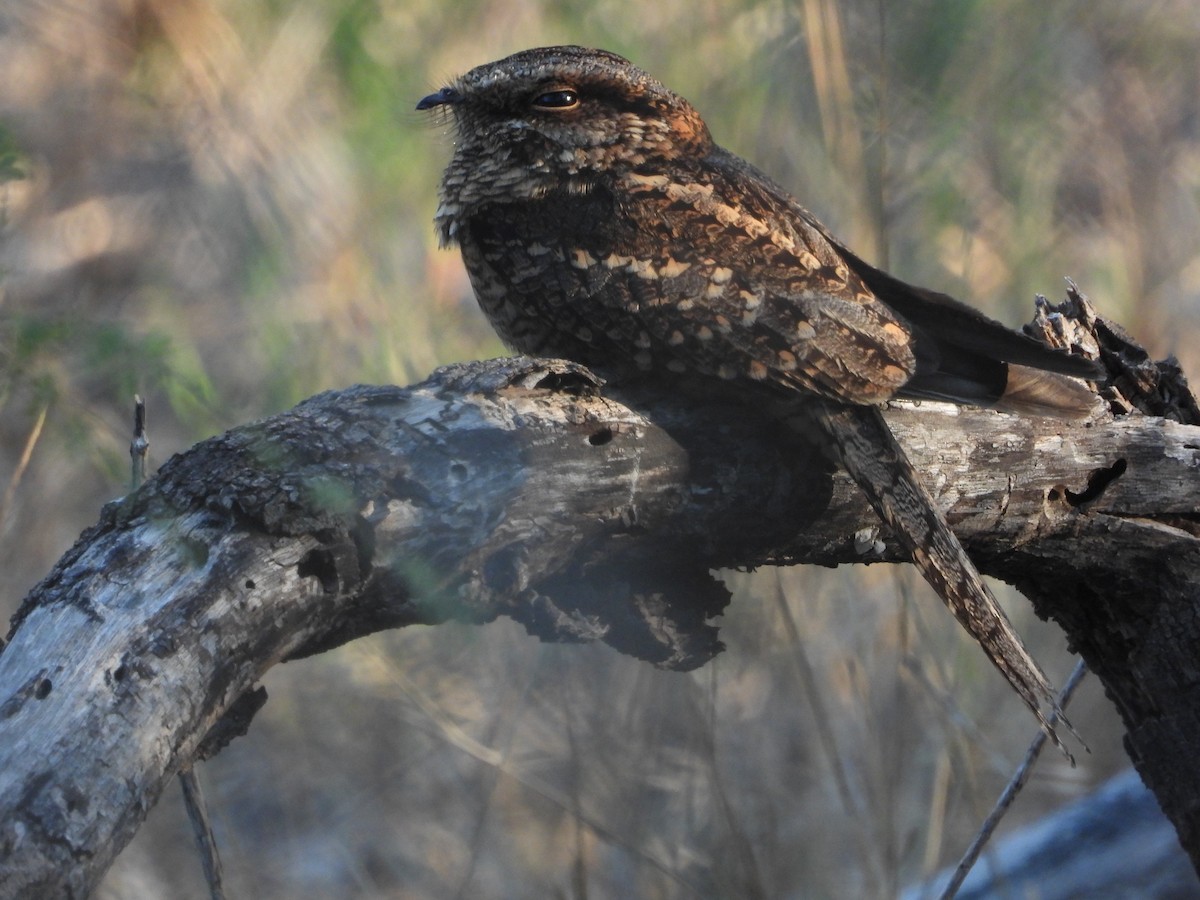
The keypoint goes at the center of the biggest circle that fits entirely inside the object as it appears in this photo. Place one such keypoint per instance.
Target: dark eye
(563, 98)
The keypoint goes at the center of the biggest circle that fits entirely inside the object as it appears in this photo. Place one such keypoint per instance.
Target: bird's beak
(447, 96)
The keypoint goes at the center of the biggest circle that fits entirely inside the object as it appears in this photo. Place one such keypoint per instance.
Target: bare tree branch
(516, 488)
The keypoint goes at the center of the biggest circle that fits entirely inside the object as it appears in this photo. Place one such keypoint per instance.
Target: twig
(1009, 794)
(22, 464)
(140, 445)
(197, 810)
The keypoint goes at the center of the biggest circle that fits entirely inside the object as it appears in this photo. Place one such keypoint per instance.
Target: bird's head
(556, 119)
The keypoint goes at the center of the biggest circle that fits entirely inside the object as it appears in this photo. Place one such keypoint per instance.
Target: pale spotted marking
(643, 268)
(581, 259)
(698, 195)
(727, 215)
(754, 228)
(638, 182)
(673, 267)
(753, 301)
(700, 198)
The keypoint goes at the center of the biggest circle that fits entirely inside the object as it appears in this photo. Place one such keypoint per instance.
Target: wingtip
(1035, 392)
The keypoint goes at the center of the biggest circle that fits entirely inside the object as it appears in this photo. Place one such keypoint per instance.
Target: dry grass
(225, 207)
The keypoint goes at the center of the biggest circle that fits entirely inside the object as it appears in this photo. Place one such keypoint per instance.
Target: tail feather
(965, 357)
(953, 324)
(1037, 393)
(1010, 388)
(866, 448)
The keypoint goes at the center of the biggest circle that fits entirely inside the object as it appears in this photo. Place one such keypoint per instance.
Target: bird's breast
(567, 279)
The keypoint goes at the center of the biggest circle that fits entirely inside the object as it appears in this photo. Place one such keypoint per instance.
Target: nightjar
(599, 222)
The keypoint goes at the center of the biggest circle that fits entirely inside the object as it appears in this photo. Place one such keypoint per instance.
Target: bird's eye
(563, 98)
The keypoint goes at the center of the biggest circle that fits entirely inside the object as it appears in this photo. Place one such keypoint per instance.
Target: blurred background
(226, 206)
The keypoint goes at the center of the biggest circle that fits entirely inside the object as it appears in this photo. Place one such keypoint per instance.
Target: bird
(599, 222)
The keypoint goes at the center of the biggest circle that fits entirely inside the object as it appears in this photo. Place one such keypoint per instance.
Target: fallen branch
(515, 488)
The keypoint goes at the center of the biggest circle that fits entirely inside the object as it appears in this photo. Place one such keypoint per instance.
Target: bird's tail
(866, 448)
(1035, 392)
(965, 357)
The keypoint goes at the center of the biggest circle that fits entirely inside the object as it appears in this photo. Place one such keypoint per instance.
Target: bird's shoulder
(721, 208)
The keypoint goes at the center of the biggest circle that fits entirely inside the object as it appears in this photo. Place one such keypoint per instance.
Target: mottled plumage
(599, 222)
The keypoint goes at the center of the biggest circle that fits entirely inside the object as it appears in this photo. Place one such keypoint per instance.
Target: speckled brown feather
(599, 222)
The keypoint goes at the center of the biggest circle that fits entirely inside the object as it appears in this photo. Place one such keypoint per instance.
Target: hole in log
(1097, 484)
(320, 564)
(601, 437)
(575, 382)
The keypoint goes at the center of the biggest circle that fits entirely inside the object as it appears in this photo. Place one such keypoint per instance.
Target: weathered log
(516, 488)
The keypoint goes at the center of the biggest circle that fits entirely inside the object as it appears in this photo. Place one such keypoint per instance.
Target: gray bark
(516, 488)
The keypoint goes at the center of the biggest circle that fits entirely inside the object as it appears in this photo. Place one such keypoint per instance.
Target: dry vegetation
(225, 206)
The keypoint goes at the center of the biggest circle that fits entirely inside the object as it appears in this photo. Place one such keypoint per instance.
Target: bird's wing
(961, 355)
(720, 269)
